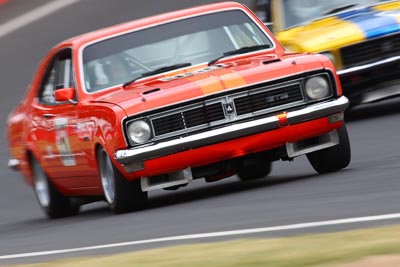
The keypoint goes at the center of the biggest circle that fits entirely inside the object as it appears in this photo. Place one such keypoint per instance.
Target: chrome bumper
(140, 154)
(368, 66)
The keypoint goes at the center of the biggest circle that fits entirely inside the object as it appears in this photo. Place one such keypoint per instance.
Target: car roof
(118, 29)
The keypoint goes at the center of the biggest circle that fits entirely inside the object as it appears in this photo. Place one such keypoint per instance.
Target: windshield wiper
(338, 9)
(241, 50)
(157, 71)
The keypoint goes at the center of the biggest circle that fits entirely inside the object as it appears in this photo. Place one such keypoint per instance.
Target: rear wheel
(255, 171)
(50, 199)
(333, 158)
(121, 195)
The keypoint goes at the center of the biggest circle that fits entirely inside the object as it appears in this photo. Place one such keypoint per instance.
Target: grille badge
(229, 109)
(277, 97)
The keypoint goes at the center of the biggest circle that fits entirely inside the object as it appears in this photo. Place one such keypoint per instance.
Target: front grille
(269, 99)
(188, 119)
(167, 124)
(229, 107)
(242, 105)
(371, 50)
(203, 115)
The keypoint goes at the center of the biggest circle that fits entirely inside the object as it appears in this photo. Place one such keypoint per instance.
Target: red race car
(151, 104)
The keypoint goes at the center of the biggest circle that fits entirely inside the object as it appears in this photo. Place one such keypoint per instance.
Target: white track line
(33, 15)
(207, 235)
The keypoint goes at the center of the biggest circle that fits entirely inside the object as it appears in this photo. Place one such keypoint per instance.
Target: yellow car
(361, 37)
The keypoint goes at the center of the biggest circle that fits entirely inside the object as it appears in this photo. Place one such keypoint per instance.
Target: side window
(64, 74)
(47, 93)
(59, 75)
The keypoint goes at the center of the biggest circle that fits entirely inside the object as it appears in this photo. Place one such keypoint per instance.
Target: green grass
(320, 250)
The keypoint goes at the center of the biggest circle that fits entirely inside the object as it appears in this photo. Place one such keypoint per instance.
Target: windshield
(190, 41)
(296, 12)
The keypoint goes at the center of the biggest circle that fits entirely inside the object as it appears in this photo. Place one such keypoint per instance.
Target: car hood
(343, 29)
(161, 91)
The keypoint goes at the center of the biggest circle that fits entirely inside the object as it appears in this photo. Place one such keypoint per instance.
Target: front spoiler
(315, 111)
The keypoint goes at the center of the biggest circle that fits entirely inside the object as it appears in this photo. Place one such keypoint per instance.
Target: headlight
(317, 88)
(139, 131)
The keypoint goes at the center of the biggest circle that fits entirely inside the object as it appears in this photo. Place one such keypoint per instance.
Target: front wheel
(50, 199)
(332, 158)
(121, 195)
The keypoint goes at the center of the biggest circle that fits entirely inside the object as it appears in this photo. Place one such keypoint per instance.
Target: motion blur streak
(208, 235)
(33, 15)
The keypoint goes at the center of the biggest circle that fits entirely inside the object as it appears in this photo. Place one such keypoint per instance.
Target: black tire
(333, 158)
(121, 195)
(255, 171)
(53, 203)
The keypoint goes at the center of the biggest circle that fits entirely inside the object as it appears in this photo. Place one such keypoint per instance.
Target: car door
(56, 136)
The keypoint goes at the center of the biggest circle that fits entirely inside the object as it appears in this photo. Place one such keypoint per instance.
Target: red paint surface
(96, 118)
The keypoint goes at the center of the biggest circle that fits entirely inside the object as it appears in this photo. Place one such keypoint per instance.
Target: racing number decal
(62, 142)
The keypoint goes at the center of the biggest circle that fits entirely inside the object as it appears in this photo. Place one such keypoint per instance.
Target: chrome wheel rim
(107, 177)
(41, 186)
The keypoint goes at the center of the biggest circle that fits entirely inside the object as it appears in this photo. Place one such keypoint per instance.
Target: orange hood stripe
(223, 79)
(208, 85)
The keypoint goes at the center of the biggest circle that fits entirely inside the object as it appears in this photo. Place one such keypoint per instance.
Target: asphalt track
(293, 194)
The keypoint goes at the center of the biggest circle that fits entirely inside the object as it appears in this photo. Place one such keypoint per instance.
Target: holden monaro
(205, 92)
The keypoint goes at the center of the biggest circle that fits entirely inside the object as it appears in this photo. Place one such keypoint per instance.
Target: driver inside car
(108, 72)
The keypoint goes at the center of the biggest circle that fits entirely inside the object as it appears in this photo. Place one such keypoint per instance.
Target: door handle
(48, 115)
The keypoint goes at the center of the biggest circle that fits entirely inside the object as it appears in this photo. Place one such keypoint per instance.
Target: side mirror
(65, 94)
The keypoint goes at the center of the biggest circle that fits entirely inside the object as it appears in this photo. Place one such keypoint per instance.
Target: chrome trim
(369, 66)
(318, 110)
(127, 156)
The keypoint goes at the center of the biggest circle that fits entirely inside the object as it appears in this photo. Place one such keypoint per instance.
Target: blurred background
(293, 193)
